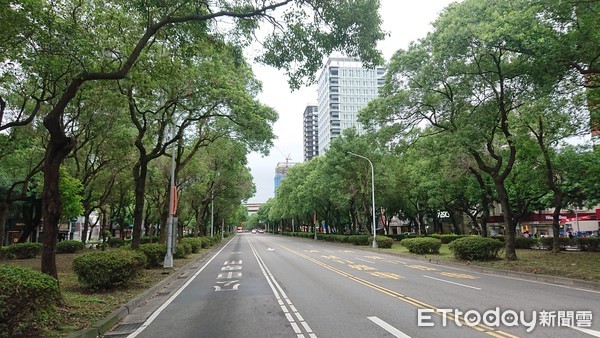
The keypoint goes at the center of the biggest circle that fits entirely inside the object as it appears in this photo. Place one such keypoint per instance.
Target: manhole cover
(164, 293)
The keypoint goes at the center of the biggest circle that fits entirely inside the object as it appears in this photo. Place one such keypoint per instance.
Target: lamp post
(168, 262)
(372, 195)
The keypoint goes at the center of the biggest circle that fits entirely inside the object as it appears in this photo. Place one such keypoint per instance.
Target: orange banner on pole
(173, 200)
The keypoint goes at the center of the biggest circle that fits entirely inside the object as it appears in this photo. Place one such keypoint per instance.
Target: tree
(97, 50)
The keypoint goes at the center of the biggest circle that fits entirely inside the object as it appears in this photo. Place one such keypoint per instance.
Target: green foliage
(359, 240)
(155, 254)
(24, 250)
(146, 239)
(183, 250)
(28, 300)
(476, 248)
(108, 269)
(194, 242)
(382, 242)
(70, 195)
(206, 243)
(115, 242)
(563, 242)
(69, 246)
(525, 242)
(589, 244)
(422, 245)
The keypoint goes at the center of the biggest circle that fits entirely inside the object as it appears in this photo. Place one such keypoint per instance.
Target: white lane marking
(271, 249)
(280, 295)
(165, 304)
(593, 333)
(364, 260)
(388, 327)
(447, 281)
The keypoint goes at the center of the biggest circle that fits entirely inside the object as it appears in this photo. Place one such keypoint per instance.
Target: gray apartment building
(311, 139)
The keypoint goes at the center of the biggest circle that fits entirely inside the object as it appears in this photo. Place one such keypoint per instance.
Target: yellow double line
(419, 304)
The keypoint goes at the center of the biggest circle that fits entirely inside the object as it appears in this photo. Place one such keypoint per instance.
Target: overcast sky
(404, 20)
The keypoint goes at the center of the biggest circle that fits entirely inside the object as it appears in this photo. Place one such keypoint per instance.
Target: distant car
(253, 231)
(261, 231)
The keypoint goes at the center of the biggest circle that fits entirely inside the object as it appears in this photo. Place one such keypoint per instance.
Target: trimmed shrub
(589, 244)
(6, 254)
(359, 239)
(476, 248)
(182, 250)
(422, 245)
(501, 238)
(383, 242)
(146, 239)
(28, 299)
(108, 269)
(206, 243)
(155, 254)
(115, 242)
(525, 242)
(69, 246)
(25, 250)
(563, 242)
(194, 242)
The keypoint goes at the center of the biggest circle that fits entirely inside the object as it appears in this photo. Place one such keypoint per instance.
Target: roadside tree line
(481, 111)
(101, 93)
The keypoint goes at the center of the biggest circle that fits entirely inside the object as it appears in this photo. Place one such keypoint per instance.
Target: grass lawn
(83, 307)
(569, 264)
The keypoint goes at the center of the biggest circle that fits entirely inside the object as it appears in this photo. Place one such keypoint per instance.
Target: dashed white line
(394, 331)
(447, 281)
(364, 260)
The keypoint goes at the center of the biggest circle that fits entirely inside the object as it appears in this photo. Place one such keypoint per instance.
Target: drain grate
(164, 293)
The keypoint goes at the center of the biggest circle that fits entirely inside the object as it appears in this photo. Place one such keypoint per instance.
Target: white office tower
(345, 87)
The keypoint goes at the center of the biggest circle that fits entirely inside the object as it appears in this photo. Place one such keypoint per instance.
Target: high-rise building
(280, 171)
(344, 87)
(311, 139)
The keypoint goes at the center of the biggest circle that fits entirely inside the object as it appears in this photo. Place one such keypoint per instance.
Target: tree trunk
(58, 148)
(509, 225)
(3, 216)
(140, 171)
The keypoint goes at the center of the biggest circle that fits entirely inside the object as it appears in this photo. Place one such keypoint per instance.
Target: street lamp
(372, 195)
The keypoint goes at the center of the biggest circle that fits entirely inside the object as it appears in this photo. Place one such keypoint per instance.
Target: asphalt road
(260, 285)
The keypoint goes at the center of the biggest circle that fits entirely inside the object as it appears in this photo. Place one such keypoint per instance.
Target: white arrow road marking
(447, 281)
(271, 249)
(388, 327)
(588, 331)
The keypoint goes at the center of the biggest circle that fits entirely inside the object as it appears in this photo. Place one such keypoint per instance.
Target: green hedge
(359, 240)
(563, 242)
(115, 242)
(108, 269)
(526, 242)
(146, 239)
(183, 249)
(28, 299)
(476, 248)
(422, 245)
(383, 242)
(69, 246)
(194, 242)
(589, 244)
(206, 243)
(155, 254)
(24, 250)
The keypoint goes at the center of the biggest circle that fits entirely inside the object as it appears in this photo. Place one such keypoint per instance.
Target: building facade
(311, 132)
(344, 87)
(280, 172)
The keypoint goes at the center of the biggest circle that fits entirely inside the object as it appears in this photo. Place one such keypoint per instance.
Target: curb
(104, 325)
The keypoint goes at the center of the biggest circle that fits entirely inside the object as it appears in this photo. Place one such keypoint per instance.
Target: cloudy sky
(404, 20)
